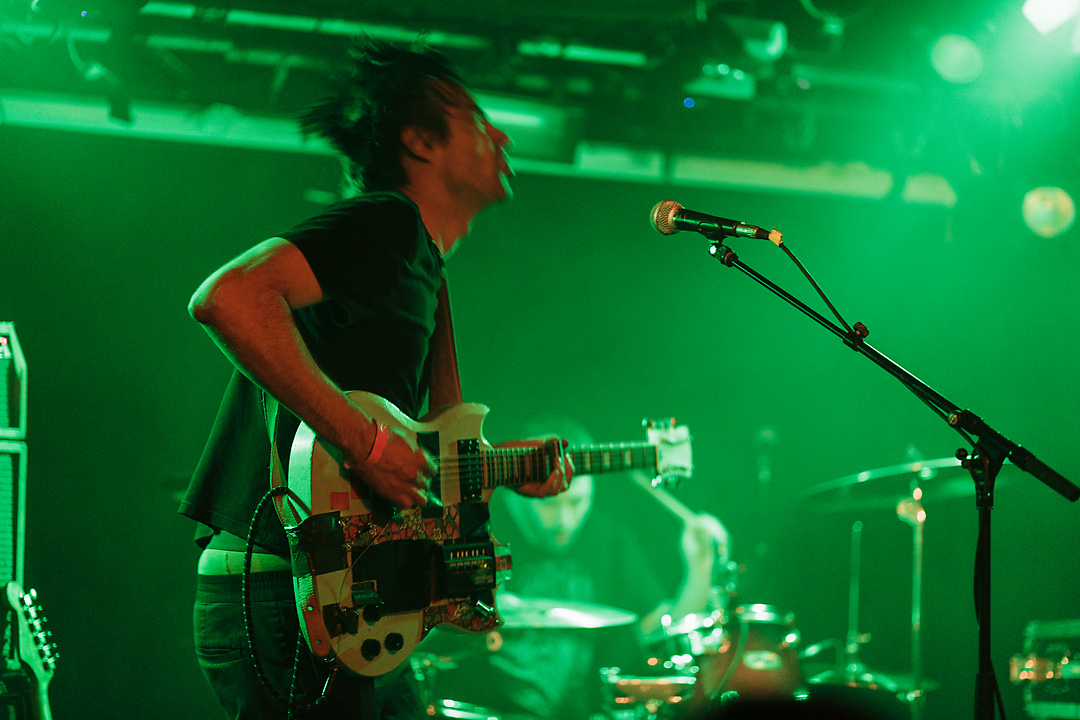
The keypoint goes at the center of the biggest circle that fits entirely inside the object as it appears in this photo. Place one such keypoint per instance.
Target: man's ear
(418, 142)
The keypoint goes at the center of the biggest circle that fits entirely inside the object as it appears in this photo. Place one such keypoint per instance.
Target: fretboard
(517, 466)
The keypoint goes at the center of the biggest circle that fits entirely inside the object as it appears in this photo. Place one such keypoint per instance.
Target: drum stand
(850, 670)
(852, 666)
(911, 511)
(991, 448)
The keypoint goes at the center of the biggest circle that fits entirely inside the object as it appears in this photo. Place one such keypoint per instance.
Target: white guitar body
(319, 488)
(370, 583)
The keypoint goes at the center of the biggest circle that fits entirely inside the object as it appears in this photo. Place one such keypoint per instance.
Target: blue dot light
(688, 102)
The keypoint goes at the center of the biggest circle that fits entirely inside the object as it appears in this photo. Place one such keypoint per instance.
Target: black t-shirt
(381, 271)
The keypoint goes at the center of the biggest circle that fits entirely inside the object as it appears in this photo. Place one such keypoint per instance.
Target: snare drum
(637, 697)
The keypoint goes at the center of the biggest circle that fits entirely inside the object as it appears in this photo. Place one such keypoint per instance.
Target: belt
(231, 562)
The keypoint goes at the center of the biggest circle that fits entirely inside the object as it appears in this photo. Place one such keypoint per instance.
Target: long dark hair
(384, 88)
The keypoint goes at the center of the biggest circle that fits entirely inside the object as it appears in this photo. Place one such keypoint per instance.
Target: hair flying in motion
(384, 89)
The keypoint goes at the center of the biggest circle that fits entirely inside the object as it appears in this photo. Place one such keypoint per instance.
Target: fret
(516, 466)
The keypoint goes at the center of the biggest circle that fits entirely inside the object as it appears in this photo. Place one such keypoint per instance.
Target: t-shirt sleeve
(354, 247)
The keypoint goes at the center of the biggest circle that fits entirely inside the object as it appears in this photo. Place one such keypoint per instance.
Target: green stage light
(1048, 211)
(1048, 15)
(957, 59)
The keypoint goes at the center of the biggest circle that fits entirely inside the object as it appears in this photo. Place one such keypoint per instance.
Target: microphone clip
(723, 253)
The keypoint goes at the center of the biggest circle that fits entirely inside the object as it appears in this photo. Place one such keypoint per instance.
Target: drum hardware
(425, 667)
(1049, 669)
(852, 673)
(454, 710)
(911, 511)
(635, 697)
(904, 487)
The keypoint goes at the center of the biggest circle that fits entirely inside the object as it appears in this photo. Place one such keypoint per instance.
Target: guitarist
(352, 299)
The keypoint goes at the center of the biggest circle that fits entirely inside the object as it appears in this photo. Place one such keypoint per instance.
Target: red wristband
(382, 434)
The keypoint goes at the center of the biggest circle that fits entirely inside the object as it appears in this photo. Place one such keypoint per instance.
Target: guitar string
(515, 452)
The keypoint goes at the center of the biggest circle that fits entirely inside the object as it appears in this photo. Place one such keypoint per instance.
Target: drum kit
(701, 662)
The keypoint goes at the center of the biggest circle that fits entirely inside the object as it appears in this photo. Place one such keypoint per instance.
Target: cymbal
(862, 677)
(519, 612)
(940, 479)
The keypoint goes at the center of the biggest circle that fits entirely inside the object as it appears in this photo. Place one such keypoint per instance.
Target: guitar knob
(394, 642)
(370, 649)
(373, 613)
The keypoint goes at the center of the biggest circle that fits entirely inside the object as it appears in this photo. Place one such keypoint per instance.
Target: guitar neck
(39, 703)
(35, 653)
(516, 466)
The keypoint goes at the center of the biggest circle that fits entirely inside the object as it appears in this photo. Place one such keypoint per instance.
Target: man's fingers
(408, 498)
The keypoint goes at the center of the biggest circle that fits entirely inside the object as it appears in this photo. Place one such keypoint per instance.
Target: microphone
(669, 217)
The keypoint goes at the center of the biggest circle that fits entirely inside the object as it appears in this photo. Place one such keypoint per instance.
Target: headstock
(35, 648)
(674, 461)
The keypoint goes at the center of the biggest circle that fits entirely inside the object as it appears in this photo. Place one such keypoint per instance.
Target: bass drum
(816, 702)
(866, 695)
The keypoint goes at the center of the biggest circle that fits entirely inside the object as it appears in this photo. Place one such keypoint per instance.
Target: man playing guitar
(352, 299)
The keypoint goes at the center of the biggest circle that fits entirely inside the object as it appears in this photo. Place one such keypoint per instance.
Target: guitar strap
(444, 381)
(444, 388)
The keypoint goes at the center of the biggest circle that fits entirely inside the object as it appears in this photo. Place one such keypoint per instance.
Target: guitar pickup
(469, 569)
(365, 592)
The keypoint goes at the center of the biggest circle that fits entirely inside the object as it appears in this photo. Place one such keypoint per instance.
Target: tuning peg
(664, 424)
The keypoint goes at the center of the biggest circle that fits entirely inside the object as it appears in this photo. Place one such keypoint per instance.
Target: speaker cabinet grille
(12, 385)
(12, 510)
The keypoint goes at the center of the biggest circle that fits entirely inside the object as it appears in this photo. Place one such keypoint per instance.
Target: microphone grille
(663, 216)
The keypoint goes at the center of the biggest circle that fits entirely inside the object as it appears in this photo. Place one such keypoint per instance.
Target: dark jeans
(222, 648)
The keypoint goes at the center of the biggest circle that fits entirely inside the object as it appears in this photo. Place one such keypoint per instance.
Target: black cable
(813, 282)
(860, 332)
(288, 702)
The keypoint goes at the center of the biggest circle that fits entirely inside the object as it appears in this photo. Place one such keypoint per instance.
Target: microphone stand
(989, 453)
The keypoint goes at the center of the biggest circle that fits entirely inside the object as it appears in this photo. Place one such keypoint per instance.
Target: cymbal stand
(911, 511)
(852, 666)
